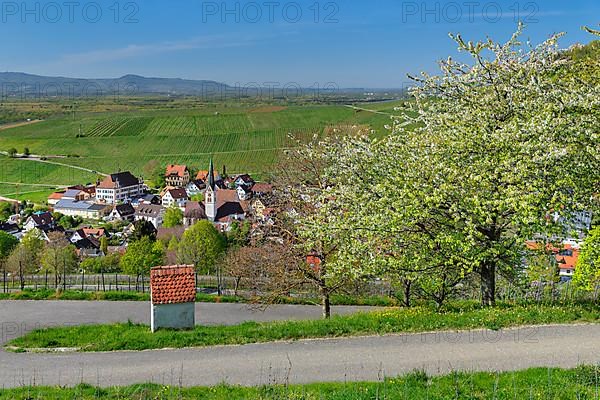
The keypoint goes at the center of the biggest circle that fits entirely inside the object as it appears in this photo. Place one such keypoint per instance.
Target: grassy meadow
(536, 383)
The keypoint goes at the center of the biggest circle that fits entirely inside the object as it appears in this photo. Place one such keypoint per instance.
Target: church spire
(211, 175)
(210, 195)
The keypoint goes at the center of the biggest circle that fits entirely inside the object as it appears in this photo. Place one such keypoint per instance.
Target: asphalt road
(20, 317)
(351, 359)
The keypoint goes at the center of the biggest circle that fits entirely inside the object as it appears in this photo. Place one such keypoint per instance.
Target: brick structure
(173, 294)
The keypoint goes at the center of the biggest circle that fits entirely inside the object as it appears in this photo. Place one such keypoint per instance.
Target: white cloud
(138, 50)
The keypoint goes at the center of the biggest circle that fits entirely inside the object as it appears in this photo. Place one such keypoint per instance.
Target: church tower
(210, 196)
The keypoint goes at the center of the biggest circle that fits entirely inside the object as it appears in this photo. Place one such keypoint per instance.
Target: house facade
(152, 213)
(122, 212)
(42, 221)
(118, 188)
(83, 209)
(195, 187)
(174, 197)
(177, 176)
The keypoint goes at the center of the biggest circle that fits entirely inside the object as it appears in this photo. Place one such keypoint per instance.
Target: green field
(244, 138)
(22, 179)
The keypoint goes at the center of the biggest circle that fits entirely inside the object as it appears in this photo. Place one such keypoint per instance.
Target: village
(112, 207)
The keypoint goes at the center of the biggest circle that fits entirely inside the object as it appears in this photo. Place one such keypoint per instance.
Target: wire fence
(103, 282)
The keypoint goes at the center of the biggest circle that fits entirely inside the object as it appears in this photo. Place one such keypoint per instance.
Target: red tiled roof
(262, 188)
(178, 170)
(56, 196)
(172, 285)
(94, 231)
(564, 261)
(202, 175)
(227, 195)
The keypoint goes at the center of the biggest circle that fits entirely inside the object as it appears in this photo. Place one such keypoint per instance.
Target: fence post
(4, 283)
(129, 282)
(116, 281)
(82, 279)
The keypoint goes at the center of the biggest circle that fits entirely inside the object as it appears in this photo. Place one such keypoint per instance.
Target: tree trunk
(237, 286)
(325, 303)
(21, 277)
(407, 292)
(488, 284)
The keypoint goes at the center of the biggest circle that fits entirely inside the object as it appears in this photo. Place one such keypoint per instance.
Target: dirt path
(371, 111)
(17, 124)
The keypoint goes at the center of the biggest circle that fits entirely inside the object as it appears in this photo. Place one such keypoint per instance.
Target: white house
(41, 221)
(195, 187)
(244, 193)
(119, 187)
(152, 213)
(122, 212)
(175, 197)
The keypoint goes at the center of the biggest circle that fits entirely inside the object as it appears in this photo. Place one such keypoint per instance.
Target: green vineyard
(243, 140)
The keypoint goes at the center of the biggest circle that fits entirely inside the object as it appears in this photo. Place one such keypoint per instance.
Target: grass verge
(49, 294)
(419, 319)
(539, 383)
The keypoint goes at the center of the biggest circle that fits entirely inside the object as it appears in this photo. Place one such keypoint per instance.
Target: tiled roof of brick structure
(172, 285)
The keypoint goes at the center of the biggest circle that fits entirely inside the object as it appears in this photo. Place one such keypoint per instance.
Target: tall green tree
(155, 174)
(6, 209)
(104, 245)
(59, 256)
(7, 244)
(142, 229)
(25, 258)
(201, 245)
(173, 217)
(305, 251)
(492, 150)
(587, 270)
(141, 256)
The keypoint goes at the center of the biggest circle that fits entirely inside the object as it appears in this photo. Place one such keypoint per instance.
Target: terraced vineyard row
(133, 127)
(183, 126)
(106, 127)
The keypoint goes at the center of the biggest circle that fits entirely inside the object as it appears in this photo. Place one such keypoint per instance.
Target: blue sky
(353, 43)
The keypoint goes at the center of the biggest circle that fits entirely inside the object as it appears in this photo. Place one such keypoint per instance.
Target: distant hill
(21, 85)
(17, 84)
